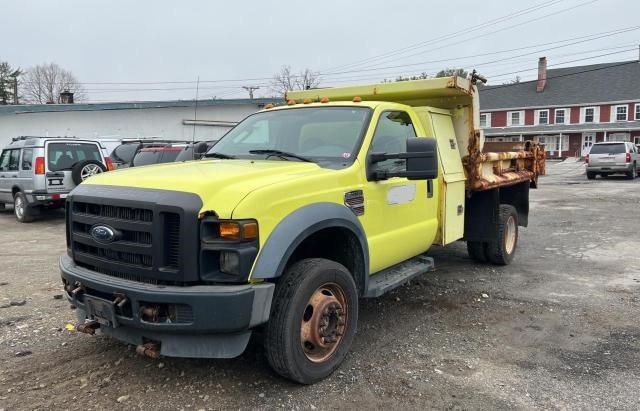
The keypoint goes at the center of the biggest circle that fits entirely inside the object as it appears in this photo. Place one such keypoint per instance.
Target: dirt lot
(559, 328)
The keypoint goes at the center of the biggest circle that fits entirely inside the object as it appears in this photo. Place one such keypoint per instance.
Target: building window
(485, 120)
(620, 113)
(515, 118)
(589, 114)
(543, 116)
(638, 111)
(560, 115)
(554, 144)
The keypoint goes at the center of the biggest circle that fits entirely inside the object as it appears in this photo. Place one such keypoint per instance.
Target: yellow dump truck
(299, 211)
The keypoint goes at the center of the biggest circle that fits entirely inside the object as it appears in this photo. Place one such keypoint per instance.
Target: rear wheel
(476, 250)
(502, 250)
(21, 208)
(313, 320)
(591, 176)
(633, 174)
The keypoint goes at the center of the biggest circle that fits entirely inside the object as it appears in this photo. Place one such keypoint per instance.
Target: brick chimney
(542, 74)
(66, 97)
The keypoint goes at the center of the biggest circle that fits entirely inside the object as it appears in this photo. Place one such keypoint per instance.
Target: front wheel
(503, 249)
(313, 320)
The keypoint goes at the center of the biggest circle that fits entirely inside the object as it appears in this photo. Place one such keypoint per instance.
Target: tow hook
(120, 300)
(88, 327)
(79, 289)
(150, 349)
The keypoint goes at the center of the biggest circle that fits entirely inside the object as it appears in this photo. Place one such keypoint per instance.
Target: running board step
(397, 275)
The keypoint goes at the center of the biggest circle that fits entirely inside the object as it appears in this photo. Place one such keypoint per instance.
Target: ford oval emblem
(103, 233)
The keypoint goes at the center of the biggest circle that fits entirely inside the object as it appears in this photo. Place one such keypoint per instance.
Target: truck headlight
(230, 262)
(228, 249)
(229, 230)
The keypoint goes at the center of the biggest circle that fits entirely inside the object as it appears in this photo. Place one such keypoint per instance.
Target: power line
(447, 36)
(607, 66)
(493, 32)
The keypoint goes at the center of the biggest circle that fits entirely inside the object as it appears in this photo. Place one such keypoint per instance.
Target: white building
(157, 119)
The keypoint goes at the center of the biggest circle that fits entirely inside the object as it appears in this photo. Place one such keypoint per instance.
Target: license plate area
(101, 310)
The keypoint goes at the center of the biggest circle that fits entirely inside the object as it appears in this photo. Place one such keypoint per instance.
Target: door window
(392, 132)
(10, 160)
(27, 159)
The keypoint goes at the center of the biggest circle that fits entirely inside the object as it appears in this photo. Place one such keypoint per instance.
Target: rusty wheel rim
(324, 322)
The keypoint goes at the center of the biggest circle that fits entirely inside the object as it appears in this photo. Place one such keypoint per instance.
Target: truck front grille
(155, 233)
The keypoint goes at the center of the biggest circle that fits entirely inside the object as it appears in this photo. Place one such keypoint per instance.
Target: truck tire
(313, 320)
(502, 251)
(21, 209)
(476, 250)
(85, 169)
(591, 176)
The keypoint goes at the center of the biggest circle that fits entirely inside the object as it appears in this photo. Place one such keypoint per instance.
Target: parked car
(156, 151)
(37, 172)
(613, 158)
(170, 153)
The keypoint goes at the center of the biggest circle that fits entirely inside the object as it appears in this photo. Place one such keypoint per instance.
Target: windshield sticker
(346, 155)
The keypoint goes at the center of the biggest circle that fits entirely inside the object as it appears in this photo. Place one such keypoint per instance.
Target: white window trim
(566, 112)
(613, 117)
(536, 118)
(521, 116)
(488, 119)
(596, 114)
(636, 111)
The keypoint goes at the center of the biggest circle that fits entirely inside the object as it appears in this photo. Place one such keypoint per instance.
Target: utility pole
(250, 89)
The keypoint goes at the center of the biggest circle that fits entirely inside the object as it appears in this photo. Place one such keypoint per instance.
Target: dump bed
(483, 170)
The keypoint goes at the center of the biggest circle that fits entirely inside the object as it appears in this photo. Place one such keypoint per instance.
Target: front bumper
(219, 324)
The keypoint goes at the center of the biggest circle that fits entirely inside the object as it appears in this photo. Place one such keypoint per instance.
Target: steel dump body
(483, 170)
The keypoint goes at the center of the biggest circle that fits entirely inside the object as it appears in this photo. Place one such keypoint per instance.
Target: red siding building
(566, 109)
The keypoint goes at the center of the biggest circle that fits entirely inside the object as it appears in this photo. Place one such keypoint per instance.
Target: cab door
(400, 215)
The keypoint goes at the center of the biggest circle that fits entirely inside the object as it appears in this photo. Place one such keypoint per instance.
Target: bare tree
(43, 84)
(286, 80)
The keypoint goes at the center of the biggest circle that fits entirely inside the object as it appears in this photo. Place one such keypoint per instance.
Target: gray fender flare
(297, 226)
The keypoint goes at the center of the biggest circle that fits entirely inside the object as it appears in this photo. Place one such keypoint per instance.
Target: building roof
(39, 108)
(564, 128)
(596, 83)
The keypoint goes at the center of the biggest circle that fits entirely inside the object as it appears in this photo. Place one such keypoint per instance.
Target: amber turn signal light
(232, 230)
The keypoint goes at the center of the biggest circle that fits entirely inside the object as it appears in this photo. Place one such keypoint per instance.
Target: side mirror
(421, 160)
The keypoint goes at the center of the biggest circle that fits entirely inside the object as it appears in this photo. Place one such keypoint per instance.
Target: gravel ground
(556, 329)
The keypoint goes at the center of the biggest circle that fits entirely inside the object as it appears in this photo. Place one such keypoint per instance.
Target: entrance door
(587, 141)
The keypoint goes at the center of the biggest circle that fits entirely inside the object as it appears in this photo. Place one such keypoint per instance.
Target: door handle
(14, 176)
(429, 188)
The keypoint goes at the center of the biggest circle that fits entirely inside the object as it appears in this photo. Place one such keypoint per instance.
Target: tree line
(40, 84)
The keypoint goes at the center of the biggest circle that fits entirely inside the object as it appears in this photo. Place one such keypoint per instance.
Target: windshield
(329, 136)
(62, 156)
(613, 148)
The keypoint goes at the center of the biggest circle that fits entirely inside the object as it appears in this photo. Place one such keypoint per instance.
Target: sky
(156, 50)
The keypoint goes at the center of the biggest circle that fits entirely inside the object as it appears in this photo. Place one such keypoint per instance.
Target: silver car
(39, 172)
(611, 158)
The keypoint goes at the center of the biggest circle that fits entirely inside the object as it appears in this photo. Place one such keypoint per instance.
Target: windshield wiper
(219, 155)
(282, 154)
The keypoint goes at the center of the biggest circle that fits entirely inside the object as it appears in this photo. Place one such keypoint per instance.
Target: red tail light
(109, 163)
(39, 165)
(628, 157)
(586, 158)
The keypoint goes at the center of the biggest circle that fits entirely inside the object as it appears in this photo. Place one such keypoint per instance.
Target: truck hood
(221, 184)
